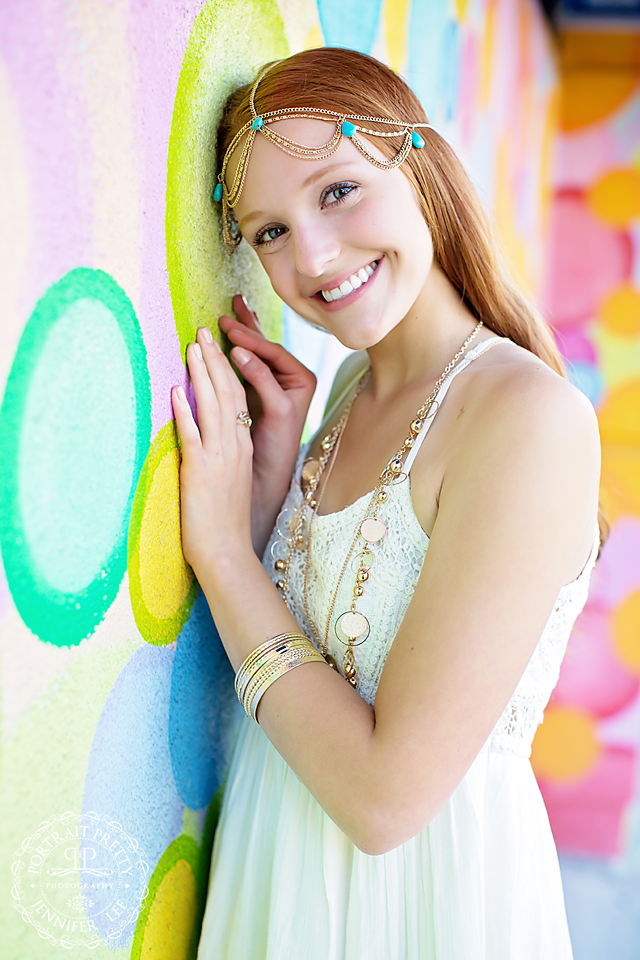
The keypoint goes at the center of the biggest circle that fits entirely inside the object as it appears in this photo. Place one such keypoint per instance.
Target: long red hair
(465, 246)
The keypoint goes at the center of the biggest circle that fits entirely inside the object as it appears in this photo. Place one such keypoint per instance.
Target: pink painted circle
(588, 259)
(593, 676)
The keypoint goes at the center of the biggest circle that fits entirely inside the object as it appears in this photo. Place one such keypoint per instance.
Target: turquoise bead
(257, 123)
(348, 128)
(417, 140)
(217, 193)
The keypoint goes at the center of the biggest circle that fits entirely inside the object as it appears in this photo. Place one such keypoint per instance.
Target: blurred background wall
(116, 694)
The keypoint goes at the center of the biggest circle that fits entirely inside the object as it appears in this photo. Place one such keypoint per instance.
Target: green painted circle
(229, 41)
(74, 430)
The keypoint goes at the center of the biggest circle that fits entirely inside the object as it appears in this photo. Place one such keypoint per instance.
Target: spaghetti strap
(468, 358)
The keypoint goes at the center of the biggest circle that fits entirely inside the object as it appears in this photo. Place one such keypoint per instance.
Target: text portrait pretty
(396, 598)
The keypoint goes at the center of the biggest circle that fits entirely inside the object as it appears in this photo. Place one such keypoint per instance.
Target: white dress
(480, 882)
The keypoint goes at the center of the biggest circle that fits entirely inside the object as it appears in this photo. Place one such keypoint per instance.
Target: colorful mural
(586, 752)
(117, 699)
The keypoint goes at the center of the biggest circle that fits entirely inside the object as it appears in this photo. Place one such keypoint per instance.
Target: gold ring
(244, 418)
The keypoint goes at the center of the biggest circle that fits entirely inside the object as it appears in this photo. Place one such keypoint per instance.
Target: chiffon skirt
(481, 882)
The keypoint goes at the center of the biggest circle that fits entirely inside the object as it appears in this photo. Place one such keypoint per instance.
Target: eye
(268, 235)
(337, 193)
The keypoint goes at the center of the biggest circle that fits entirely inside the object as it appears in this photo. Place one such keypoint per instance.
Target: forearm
(314, 718)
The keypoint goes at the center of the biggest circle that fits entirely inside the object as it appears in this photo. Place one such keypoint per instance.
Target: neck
(418, 349)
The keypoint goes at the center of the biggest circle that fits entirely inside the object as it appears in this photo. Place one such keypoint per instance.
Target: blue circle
(129, 776)
(204, 709)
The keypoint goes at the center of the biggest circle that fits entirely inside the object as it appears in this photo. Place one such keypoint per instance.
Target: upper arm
(516, 498)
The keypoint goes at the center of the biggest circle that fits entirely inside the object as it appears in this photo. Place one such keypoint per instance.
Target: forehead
(269, 161)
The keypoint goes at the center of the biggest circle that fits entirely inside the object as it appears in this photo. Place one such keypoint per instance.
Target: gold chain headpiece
(345, 127)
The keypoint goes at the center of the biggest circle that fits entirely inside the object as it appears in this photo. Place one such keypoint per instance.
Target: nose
(316, 248)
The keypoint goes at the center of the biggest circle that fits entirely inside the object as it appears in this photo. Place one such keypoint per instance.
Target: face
(344, 243)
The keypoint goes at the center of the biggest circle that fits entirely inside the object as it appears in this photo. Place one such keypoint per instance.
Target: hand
(215, 473)
(279, 390)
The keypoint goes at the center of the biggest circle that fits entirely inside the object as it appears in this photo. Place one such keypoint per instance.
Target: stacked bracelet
(267, 663)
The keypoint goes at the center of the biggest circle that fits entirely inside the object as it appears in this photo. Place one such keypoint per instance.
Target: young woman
(397, 644)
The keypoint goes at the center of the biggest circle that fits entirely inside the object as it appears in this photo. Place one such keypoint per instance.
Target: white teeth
(348, 286)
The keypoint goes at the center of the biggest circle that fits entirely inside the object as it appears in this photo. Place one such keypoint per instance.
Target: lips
(352, 283)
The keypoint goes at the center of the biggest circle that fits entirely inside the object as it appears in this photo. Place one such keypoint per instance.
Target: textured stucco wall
(117, 699)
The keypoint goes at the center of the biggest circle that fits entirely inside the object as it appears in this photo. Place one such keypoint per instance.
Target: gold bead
(358, 591)
(281, 564)
(326, 443)
(396, 466)
(363, 576)
(382, 496)
(416, 426)
(409, 442)
(313, 504)
(280, 584)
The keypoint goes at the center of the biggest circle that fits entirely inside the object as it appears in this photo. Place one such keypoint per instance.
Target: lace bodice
(393, 578)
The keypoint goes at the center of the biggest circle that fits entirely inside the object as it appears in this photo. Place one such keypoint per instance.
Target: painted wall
(117, 701)
(586, 752)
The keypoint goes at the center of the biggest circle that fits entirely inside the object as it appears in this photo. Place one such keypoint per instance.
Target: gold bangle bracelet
(251, 706)
(271, 660)
(273, 666)
(272, 646)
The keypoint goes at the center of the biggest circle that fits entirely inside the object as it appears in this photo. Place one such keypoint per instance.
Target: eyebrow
(317, 175)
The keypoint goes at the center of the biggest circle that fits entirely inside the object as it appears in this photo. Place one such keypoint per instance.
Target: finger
(225, 385)
(207, 405)
(272, 397)
(283, 363)
(186, 426)
(244, 313)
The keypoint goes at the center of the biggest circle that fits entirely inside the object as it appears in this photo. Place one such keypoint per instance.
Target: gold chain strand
(389, 475)
(376, 529)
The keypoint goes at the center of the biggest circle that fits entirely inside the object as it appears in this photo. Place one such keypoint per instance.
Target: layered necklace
(294, 526)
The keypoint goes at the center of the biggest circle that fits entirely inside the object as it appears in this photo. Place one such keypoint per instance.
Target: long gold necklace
(352, 628)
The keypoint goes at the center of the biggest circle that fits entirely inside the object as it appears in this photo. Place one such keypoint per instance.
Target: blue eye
(268, 235)
(339, 192)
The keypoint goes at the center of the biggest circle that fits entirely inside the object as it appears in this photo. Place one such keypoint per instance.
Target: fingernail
(206, 333)
(244, 300)
(240, 356)
(179, 392)
(197, 350)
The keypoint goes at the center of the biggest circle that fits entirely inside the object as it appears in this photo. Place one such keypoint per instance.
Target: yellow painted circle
(165, 578)
(626, 632)
(172, 916)
(565, 746)
(161, 584)
(620, 312)
(615, 197)
(619, 416)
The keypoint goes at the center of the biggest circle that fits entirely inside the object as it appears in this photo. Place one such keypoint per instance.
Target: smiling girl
(397, 643)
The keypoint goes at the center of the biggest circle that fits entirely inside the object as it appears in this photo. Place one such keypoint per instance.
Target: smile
(352, 283)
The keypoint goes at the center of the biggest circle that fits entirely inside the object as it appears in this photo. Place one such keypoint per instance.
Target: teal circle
(75, 426)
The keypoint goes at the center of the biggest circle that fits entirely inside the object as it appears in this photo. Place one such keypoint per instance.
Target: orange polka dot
(620, 487)
(615, 197)
(620, 312)
(626, 632)
(565, 746)
(619, 416)
(591, 95)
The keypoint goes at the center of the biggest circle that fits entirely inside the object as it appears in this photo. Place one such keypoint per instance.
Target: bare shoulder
(514, 394)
